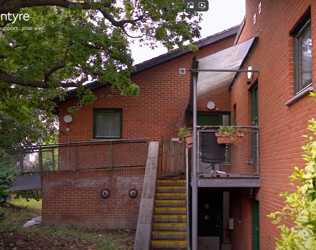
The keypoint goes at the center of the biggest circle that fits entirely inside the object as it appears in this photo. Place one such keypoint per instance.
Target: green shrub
(300, 205)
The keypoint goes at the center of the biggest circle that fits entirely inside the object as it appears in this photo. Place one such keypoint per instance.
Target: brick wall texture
(74, 198)
(281, 126)
(160, 109)
(158, 112)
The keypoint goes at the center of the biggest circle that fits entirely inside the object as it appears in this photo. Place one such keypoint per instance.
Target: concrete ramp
(27, 182)
(146, 209)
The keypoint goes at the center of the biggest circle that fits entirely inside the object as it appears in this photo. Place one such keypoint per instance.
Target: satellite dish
(210, 105)
(67, 118)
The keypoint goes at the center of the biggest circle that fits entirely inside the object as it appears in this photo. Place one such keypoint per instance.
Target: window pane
(305, 44)
(108, 125)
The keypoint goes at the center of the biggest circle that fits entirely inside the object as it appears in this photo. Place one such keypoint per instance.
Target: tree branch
(120, 23)
(61, 65)
(35, 84)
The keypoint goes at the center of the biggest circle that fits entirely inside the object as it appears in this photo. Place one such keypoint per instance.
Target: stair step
(170, 218)
(170, 189)
(169, 235)
(170, 203)
(171, 182)
(169, 226)
(171, 210)
(173, 244)
(170, 196)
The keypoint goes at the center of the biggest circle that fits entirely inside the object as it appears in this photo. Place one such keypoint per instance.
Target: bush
(300, 205)
(7, 176)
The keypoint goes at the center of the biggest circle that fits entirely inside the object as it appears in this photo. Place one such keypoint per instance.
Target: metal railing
(239, 157)
(74, 156)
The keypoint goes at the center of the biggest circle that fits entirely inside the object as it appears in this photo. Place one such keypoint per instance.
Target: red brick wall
(281, 127)
(241, 212)
(159, 109)
(75, 198)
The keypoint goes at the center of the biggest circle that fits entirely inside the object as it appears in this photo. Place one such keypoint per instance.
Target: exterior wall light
(105, 193)
(133, 193)
(250, 74)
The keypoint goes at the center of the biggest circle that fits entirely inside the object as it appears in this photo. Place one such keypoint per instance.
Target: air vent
(181, 71)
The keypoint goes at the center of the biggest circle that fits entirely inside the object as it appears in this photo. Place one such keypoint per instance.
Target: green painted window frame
(298, 57)
(96, 112)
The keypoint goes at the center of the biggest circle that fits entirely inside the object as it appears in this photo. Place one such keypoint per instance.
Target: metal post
(21, 162)
(111, 159)
(194, 170)
(257, 151)
(53, 159)
(40, 159)
(76, 157)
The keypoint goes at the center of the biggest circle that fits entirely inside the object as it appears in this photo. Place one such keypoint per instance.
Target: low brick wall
(74, 198)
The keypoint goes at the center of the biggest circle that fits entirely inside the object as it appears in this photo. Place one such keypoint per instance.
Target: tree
(300, 205)
(47, 46)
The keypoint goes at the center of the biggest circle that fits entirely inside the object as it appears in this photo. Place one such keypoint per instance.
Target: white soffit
(230, 58)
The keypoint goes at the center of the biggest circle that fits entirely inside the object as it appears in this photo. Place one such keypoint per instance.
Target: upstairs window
(303, 55)
(107, 123)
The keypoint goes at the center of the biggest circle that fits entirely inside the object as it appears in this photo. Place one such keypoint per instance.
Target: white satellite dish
(67, 118)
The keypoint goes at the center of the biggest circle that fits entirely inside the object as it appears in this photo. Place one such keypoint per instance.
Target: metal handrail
(92, 142)
(40, 149)
(187, 177)
(244, 129)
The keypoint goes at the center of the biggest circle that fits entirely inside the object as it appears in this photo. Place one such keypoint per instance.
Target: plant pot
(228, 139)
(189, 140)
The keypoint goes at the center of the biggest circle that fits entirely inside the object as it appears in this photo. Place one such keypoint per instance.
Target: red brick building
(274, 104)
(157, 113)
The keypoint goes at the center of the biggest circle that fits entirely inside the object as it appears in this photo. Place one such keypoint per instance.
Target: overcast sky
(222, 14)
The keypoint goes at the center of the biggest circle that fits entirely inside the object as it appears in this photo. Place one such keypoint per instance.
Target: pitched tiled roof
(162, 59)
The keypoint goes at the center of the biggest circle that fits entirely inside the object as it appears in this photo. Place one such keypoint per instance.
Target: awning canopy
(227, 59)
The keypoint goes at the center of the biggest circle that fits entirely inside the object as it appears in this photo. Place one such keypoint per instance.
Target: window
(107, 123)
(303, 56)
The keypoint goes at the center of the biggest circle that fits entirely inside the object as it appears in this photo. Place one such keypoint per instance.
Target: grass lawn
(14, 236)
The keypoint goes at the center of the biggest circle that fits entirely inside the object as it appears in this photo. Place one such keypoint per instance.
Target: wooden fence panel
(172, 158)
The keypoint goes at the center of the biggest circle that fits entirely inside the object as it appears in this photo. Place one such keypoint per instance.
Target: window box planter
(228, 139)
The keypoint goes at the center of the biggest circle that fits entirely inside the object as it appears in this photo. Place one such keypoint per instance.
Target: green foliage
(300, 205)
(230, 131)
(183, 131)
(7, 176)
(29, 194)
(30, 203)
(64, 46)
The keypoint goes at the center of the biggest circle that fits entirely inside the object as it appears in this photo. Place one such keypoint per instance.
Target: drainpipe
(194, 213)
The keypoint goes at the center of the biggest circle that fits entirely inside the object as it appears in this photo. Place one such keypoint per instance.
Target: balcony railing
(107, 154)
(239, 158)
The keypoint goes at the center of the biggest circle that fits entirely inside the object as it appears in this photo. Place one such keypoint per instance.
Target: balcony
(228, 165)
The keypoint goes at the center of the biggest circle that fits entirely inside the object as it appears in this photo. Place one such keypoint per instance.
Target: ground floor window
(107, 123)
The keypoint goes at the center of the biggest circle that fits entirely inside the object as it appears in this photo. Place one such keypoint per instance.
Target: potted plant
(185, 134)
(228, 135)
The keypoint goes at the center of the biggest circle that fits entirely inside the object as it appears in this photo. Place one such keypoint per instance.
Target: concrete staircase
(170, 216)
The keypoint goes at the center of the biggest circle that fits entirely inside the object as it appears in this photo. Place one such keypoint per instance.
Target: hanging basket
(189, 140)
(228, 139)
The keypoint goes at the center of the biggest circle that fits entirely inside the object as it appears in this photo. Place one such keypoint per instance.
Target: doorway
(219, 151)
(213, 118)
(213, 219)
(255, 225)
